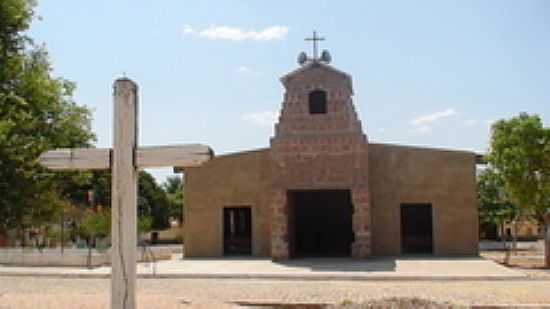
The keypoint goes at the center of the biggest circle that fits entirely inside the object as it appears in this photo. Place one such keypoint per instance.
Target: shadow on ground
(372, 264)
(342, 264)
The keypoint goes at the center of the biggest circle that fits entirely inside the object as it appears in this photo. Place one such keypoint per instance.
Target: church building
(323, 190)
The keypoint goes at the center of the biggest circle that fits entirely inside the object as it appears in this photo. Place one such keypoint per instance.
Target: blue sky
(430, 73)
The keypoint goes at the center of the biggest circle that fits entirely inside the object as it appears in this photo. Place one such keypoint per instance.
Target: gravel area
(37, 292)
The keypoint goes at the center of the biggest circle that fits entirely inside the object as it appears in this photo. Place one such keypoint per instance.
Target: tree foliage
(145, 224)
(95, 223)
(173, 186)
(152, 201)
(520, 155)
(37, 113)
(494, 208)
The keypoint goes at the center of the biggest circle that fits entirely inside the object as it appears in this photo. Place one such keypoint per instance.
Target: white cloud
(247, 71)
(430, 118)
(470, 122)
(262, 119)
(236, 34)
(187, 29)
(243, 69)
(423, 130)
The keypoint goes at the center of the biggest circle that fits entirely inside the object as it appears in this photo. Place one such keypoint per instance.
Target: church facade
(321, 189)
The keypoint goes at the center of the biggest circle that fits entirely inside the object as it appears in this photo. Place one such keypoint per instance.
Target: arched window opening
(318, 102)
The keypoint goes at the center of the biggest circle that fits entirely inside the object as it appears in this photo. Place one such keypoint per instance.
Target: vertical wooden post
(124, 196)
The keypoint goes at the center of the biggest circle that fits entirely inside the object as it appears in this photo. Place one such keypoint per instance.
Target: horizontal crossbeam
(76, 159)
(147, 157)
(173, 155)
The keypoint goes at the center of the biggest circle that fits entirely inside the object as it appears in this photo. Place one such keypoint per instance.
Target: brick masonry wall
(319, 151)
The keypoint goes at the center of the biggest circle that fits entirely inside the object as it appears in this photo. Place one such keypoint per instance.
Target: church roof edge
(312, 64)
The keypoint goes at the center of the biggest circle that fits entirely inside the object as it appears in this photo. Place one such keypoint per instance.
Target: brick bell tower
(318, 144)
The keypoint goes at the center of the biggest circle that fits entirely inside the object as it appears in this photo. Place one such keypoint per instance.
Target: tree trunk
(89, 260)
(22, 234)
(514, 236)
(3, 237)
(503, 237)
(62, 231)
(547, 239)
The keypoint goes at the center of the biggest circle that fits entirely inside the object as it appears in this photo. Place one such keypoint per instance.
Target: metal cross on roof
(315, 38)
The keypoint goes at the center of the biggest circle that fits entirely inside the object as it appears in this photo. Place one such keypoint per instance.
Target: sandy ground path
(36, 292)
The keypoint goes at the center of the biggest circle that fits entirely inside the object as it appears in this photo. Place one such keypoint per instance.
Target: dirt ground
(41, 292)
(48, 292)
(519, 258)
(528, 261)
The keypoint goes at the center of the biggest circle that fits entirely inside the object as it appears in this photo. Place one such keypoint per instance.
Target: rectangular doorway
(320, 223)
(237, 231)
(416, 229)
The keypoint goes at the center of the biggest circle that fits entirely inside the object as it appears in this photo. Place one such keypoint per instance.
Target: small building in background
(171, 235)
(525, 230)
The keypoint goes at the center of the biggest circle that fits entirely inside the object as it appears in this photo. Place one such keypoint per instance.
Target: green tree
(152, 201)
(37, 113)
(145, 225)
(173, 186)
(100, 185)
(520, 154)
(95, 224)
(494, 208)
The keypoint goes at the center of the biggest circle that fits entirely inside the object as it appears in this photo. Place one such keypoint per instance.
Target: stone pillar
(547, 239)
(361, 247)
(124, 196)
(279, 226)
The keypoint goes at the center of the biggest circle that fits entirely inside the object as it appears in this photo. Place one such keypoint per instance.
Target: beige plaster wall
(398, 174)
(446, 179)
(241, 179)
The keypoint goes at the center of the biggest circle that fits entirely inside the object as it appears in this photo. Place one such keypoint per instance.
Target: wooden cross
(124, 159)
